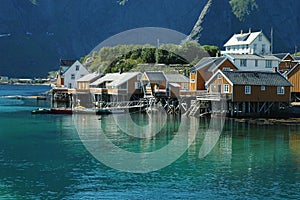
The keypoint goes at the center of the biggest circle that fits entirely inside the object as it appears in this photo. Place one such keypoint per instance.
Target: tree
(211, 50)
(242, 8)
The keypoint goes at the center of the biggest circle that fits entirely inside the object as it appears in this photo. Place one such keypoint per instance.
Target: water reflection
(45, 159)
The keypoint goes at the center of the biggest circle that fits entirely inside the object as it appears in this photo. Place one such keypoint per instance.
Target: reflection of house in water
(294, 142)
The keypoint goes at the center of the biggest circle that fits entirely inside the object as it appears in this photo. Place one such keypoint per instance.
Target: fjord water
(42, 157)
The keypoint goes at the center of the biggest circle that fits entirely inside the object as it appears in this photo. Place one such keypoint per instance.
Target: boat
(41, 111)
(61, 111)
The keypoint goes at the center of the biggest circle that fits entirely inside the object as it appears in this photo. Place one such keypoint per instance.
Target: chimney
(242, 31)
(250, 31)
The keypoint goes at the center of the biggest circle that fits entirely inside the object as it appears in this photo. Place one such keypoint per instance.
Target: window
(226, 88)
(219, 76)
(260, 38)
(77, 67)
(254, 48)
(263, 48)
(243, 63)
(280, 90)
(268, 63)
(263, 88)
(72, 76)
(247, 89)
(256, 63)
(70, 85)
(193, 72)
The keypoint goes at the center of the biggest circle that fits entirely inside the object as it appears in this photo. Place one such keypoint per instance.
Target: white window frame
(219, 76)
(72, 76)
(268, 63)
(280, 90)
(226, 88)
(263, 88)
(243, 62)
(247, 89)
(256, 63)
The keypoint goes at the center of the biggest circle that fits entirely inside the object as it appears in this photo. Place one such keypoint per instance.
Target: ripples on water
(42, 157)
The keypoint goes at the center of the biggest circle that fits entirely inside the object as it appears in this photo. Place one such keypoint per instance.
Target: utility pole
(272, 40)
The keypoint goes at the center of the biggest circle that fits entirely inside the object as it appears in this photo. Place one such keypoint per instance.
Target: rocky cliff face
(219, 23)
(34, 36)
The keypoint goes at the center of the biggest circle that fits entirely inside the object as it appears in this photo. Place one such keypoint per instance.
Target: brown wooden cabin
(251, 91)
(83, 84)
(205, 69)
(126, 87)
(154, 83)
(287, 62)
(117, 87)
(294, 77)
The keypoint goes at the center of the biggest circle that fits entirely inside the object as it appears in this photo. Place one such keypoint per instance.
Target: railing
(191, 93)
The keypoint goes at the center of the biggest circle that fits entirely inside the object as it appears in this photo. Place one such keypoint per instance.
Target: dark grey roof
(66, 63)
(281, 56)
(156, 76)
(256, 78)
(177, 78)
(210, 62)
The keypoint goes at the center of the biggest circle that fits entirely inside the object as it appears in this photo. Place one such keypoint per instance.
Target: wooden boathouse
(252, 93)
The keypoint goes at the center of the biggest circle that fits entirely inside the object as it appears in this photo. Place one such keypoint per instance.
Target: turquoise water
(42, 157)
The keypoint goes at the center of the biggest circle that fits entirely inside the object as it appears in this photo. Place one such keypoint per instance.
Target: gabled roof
(68, 68)
(123, 78)
(108, 77)
(177, 78)
(155, 76)
(251, 57)
(256, 78)
(296, 67)
(242, 38)
(209, 63)
(282, 56)
(89, 77)
(66, 63)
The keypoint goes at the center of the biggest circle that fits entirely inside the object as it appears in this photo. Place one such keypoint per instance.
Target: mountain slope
(35, 34)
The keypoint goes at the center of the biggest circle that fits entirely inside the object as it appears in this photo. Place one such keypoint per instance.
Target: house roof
(89, 77)
(256, 78)
(296, 67)
(66, 63)
(242, 38)
(123, 78)
(281, 56)
(155, 76)
(209, 63)
(251, 57)
(105, 78)
(177, 78)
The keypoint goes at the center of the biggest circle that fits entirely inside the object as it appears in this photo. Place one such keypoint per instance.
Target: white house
(248, 43)
(72, 74)
(253, 62)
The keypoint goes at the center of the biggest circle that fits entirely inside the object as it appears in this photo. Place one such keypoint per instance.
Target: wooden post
(244, 108)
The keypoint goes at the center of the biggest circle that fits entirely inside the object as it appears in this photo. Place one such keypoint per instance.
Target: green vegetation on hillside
(242, 8)
(127, 57)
